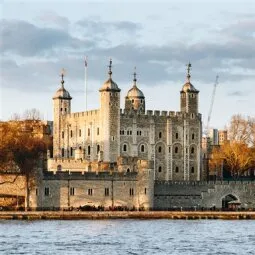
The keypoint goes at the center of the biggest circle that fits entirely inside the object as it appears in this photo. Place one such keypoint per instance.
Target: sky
(159, 38)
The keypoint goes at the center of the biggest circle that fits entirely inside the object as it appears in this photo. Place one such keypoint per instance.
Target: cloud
(52, 18)
(99, 26)
(237, 93)
(57, 48)
(25, 39)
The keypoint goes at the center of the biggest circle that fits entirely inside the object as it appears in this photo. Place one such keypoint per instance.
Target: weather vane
(188, 69)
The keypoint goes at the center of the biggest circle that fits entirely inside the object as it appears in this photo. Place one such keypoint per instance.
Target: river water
(128, 237)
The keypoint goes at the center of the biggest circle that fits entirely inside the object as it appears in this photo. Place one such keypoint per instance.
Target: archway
(227, 199)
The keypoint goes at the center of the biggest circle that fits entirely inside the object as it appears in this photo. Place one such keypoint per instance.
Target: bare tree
(237, 155)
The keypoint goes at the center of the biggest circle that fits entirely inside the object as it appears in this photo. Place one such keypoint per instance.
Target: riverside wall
(177, 215)
(197, 195)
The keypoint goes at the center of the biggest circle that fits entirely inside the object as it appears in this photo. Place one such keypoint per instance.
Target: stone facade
(172, 140)
(207, 195)
(62, 190)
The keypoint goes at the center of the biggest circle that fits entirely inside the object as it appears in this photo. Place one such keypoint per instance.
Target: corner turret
(135, 99)
(189, 95)
(110, 118)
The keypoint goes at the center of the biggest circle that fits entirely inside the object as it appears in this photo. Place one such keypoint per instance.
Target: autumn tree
(21, 149)
(237, 155)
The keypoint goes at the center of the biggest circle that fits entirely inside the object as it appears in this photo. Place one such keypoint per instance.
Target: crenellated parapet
(91, 113)
(157, 113)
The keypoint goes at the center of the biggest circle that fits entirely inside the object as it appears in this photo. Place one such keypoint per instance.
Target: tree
(236, 157)
(242, 129)
(238, 154)
(21, 149)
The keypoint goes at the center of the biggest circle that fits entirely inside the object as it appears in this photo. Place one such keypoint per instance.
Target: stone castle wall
(197, 195)
(65, 190)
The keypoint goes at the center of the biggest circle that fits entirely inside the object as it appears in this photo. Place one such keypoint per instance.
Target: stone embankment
(78, 215)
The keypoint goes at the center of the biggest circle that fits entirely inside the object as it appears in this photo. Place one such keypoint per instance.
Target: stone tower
(189, 96)
(135, 99)
(192, 129)
(110, 118)
(62, 107)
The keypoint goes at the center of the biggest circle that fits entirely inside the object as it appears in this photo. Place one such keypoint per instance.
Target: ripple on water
(127, 237)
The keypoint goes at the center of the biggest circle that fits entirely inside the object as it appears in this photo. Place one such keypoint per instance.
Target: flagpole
(86, 82)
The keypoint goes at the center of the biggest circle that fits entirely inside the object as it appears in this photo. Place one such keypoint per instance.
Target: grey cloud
(26, 39)
(155, 64)
(237, 93)
(52, 18)
(97, 27)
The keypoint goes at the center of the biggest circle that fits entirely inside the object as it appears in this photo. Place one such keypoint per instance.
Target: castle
(128, 158)
(112, 137)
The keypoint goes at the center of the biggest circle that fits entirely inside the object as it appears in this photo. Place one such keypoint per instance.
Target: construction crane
(211, 105)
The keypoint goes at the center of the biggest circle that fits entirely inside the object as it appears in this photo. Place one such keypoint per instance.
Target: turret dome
(135, 92)
(62, 93)
(110, 84)
(188, 87)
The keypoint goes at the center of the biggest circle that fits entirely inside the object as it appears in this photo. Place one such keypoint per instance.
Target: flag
(86, 63)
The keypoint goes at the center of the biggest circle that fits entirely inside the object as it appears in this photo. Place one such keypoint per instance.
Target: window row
(192, 169)
(88, 152)
(89, 192)
(159, 149)
(79, 133)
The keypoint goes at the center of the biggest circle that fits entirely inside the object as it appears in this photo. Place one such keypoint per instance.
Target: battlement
(85, 114)
(156, 113)
(104, 176)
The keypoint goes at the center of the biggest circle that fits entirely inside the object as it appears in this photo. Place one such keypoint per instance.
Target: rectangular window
(131, 192)
(97, 131)
(145, 191)
(71, 133)
(72, 191)
(106, 192)
(63, 134)
(80, 132)
(46, 191)
(90, 192)
(36, 192)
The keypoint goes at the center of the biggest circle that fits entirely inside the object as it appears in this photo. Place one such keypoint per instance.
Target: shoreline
(143, 215)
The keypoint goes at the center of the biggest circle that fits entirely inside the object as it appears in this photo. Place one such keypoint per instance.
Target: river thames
(128, 237)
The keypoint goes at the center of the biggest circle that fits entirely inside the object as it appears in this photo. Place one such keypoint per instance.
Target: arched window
(192, 150)
(59, 168)
(98, 148)
(176, 149)
(159, 169)
(192, 170)
(177, 169)
(193, 136)
(159, 134)
(159, 149)
(128, 170)
(142, 148)
(88, 150)
(124, 147)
